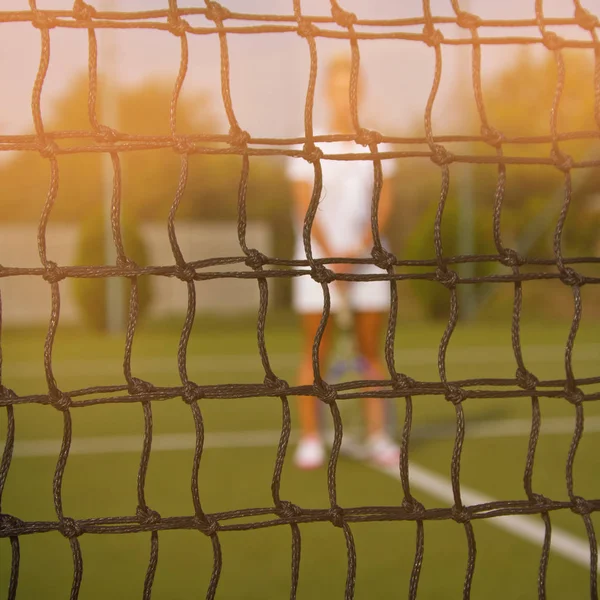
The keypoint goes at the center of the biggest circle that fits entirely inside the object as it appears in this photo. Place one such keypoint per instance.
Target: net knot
(276, 385)
(526, 379)
(215, 12)
(288, 510)
(414, 508)
(238, 138)
(138, 386)
(106, 134)
(181, 145)
(552, 41)
(581, 506)
(461, 515)
(70, 528)
(540, 501)
(147, 516)
(511, 258)
(447, 277)
(207, 525)
(191, 392)
(48, 148)
(60, 401)
(342, 17)
(585, 18)
(322, 274)
(185, 273)
(402, 383)
(440, 156)
(10, 525)
(83, 11)
(53, 273)
(432, 37)
(562, 161)
(571, 277)
(454, 394)
(325, 392)
(127, 264)
(42, 20)
(255, 259)
(177, 26)
(574, 395)
(492, 136)
(468, 20)
(7, 393)
(382, 258)
(311, 153)
(336, 515)
(306, 29)
(368, 137)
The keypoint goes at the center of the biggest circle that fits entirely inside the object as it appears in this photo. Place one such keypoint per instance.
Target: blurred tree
(149, 177)
(432, 296)
(518, 103)
(90, 292)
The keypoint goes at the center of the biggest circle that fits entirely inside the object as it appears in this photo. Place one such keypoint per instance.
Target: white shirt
(344, 212)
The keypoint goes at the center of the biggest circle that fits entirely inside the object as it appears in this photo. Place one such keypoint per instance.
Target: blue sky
(269, 72)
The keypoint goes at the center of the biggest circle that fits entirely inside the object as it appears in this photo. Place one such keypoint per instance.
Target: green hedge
(433, 297)
(90, 292)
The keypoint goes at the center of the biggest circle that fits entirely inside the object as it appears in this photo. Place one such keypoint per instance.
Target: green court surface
(236, 470)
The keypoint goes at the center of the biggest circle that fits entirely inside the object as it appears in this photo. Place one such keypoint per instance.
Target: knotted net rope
(101, 138)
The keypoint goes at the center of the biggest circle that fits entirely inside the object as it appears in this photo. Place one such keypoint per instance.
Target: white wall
(26, 299)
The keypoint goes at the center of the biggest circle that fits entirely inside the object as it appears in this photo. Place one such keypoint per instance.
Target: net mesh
(525, 384)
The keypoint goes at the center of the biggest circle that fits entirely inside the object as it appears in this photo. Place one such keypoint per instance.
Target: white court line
(112, 444)
(217, 363)
(527, 528)
(508, 428)
(115, 444)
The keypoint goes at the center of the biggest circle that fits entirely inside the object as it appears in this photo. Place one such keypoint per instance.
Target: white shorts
(363, 296)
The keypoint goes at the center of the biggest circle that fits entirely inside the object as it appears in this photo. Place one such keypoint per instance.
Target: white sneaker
(310, 453)
(382, 450)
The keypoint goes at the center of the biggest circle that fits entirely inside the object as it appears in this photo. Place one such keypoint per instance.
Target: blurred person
(342, 228)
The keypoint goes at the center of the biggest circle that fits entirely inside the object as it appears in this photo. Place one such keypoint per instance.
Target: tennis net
(514, 269)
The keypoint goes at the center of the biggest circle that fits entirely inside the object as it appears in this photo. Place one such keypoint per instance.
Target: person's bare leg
(381, 448)
(369, 326)
(307, 406)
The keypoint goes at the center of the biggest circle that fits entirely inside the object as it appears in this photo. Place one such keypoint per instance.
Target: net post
(115, 313)
(466, 238)
(466, 205)
(115, 310)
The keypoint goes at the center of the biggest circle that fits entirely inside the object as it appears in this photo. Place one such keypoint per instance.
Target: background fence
(26, 299)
